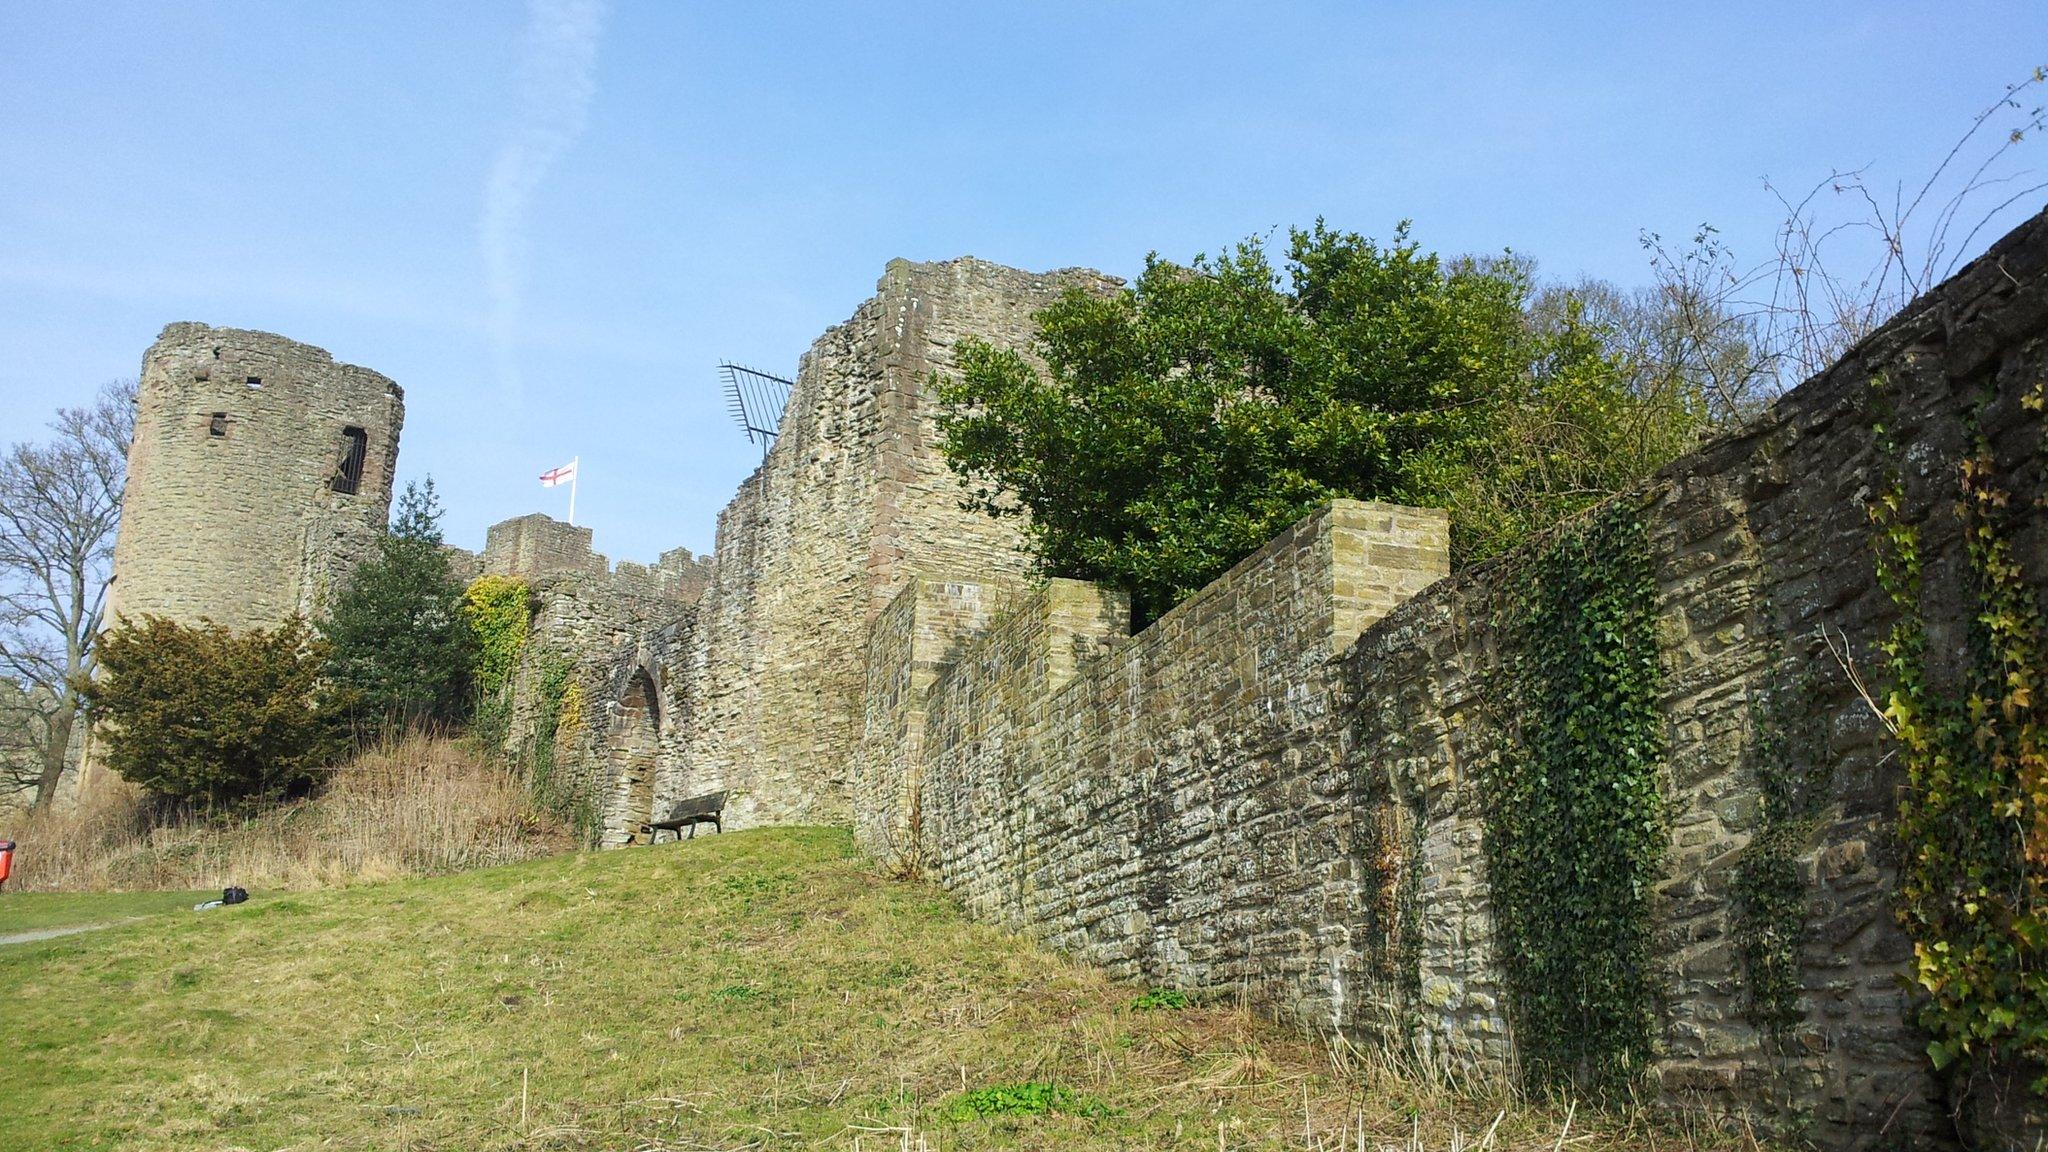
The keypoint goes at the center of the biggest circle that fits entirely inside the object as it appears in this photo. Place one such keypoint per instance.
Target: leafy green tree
(1177, 425)
(402, 646)
(211, 716)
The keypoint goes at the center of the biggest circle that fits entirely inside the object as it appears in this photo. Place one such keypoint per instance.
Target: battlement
(538, 546)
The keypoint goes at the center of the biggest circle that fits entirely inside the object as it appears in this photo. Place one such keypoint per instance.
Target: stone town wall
(854, 498)
(231, 512)
(1764, 549)
(1244, 797)
(915, 637)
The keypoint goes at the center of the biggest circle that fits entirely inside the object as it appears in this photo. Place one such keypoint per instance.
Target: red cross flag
(566, 474)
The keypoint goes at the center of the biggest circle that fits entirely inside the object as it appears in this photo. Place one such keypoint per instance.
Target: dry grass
(417, 807)
(759, 990)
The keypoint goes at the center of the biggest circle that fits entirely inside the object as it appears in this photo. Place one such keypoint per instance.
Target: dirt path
(53, 933)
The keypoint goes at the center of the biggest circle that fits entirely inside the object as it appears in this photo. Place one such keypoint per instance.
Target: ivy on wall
(1575, 815)
(1973, 886)
(499, 611)
(557, 716)
(1790, 762)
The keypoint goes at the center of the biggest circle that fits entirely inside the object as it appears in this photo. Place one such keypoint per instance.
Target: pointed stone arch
(635, 747)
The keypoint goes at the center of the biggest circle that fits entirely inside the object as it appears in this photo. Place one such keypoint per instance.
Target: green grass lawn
(29, 911)
(757, 990)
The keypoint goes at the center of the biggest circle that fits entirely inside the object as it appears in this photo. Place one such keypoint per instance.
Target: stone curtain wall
(1172, 805)
(1241, 797)
(623, 637)
(852, 500)
(1764, 545)
(243, 528)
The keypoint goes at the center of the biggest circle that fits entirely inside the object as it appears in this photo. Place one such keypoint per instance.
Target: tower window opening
(355, 444)
(254, 381)
(218, 426)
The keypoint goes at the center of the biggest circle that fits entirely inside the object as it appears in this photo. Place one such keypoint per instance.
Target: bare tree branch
(60, 505)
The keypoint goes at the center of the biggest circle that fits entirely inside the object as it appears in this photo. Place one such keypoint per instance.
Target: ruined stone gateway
(1275, 786)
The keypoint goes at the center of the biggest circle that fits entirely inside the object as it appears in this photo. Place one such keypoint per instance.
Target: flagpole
(573, 470)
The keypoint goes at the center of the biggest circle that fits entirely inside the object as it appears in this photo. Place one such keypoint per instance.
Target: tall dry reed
(417, 806)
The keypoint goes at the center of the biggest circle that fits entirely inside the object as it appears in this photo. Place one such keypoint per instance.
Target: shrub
(215, 717)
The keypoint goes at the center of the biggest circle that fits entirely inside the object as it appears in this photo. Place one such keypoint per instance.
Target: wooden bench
(705, 809)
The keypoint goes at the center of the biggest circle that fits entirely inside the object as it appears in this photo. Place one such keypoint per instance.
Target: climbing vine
(1576, 827)
(1974, 818)
(557, 714)
(1790, 763)
(498, 611)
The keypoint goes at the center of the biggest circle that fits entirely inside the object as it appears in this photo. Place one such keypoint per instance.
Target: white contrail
(557, 74)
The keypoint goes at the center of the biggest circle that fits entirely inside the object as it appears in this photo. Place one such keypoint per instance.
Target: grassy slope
(27, 911)
(762, 989)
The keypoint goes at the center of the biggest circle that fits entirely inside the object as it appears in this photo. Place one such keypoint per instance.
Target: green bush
(216, 717)
(1161, 998)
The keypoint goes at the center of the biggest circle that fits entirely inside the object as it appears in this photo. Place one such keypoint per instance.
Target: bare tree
(1850, 253)
(60, 503)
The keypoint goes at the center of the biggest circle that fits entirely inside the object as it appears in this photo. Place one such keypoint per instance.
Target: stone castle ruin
(260, 474)
(1276, 789)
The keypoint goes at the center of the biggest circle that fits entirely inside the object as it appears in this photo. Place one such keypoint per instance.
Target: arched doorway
(636, 737)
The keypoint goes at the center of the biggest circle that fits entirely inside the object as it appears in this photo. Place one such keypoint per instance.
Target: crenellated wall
(1280, 788)
(620, 652)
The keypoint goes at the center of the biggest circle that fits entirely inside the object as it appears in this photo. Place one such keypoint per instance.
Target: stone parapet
(537, 545)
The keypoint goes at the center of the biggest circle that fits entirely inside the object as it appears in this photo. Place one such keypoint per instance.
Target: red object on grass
(6, 859)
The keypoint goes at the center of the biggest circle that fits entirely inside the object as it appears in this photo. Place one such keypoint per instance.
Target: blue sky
(550, 221)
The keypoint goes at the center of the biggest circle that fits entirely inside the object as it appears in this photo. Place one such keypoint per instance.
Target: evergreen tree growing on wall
(402, 648)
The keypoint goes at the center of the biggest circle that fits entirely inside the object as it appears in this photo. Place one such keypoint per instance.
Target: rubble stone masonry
(853, 500)
(1273, 789)
(236, 508)
(1252, 796)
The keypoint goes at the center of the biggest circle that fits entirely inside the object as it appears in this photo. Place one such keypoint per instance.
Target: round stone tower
(260, 474)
